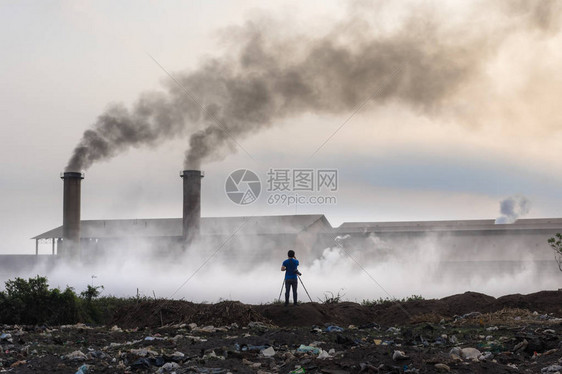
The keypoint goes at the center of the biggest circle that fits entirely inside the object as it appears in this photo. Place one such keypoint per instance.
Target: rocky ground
(468, 333)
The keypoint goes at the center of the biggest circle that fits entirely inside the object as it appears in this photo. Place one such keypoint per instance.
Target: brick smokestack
(191, 204)
(71, 215)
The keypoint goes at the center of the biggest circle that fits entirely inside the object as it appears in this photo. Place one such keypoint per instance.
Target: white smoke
(359, 268)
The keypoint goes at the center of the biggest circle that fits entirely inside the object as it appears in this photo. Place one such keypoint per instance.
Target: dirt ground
(466, 333)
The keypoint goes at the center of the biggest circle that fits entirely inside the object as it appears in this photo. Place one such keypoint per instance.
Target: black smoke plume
(270, 77)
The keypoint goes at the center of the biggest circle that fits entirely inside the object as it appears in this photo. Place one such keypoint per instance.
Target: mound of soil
(316, 314)
(447, 307)
(226, 313)
(155, 313)
(546, 301)
(166, 312)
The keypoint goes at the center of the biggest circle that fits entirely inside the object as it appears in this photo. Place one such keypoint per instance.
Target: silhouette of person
(290, 267)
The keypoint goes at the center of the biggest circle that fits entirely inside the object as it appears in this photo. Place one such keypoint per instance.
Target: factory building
(269, 237)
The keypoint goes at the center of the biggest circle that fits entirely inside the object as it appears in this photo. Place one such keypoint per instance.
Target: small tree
(556, 244)
(91, 293)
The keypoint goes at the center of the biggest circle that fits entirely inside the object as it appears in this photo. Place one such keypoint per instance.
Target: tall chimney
(191, 204)
(71, 214)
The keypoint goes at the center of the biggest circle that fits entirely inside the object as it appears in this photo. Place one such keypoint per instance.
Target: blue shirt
(291, 265)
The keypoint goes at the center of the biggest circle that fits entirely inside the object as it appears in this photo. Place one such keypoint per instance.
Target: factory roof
(173, 227)
(288, 224)
(554, 224)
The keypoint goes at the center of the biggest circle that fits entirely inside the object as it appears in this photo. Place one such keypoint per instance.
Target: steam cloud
(425, 265)
(418, 64)
(512, 208)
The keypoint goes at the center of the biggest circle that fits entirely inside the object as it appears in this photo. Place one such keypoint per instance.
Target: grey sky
(497, 134)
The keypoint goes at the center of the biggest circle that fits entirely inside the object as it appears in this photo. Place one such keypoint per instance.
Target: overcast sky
(470, 116)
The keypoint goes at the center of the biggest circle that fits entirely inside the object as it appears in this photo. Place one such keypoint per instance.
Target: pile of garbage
(158, 336)
(464, 343)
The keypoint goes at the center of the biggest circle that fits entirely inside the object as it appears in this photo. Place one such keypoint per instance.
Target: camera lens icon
(243, 187)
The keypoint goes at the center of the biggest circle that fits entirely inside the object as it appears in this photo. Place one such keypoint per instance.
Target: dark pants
(288, 284)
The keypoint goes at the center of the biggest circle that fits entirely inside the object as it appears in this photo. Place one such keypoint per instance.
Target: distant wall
(12, 266)
(471, 245)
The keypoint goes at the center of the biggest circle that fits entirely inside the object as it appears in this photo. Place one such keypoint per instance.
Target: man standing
(290, 267)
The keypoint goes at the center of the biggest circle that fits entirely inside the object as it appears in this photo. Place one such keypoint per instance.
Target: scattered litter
(324, 355)
(143, 352)
(399, 355)
(334, 329)
(521, 346)
(410, 369)
(82, 369)
(308, 349)
(552, 369)
(18, 363)
(486, 356)
(297, 371)
(178, 355)
(209, 329)
(249, 363)
(257, 325)
(470, 353)
(268, 352)
(179, 347)
(249, 347)
(168, 367)
(76, 355)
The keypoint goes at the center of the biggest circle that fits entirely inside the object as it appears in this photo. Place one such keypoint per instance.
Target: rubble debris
(483, 343)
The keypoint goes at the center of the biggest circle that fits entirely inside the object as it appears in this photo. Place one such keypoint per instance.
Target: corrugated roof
(170, 227)
(464, 225)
